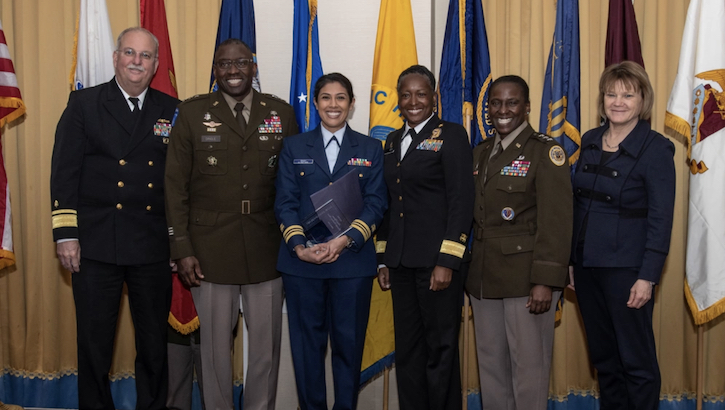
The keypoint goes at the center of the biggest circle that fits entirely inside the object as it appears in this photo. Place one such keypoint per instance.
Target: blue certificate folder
(336, 206)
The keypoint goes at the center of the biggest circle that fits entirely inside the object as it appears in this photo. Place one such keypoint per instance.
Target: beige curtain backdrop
(37, 326)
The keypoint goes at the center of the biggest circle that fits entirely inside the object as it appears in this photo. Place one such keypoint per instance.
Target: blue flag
(560, 108)
(306, 64)
(466, 70)
(236, 20)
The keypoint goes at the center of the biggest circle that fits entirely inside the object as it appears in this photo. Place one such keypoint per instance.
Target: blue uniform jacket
(303, 170)
(625, 203)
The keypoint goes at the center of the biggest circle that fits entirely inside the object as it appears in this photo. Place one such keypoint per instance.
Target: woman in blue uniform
(624, 195)
(328, 285)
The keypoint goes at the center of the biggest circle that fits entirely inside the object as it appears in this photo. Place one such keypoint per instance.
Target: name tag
(297, 161)
(211, 138)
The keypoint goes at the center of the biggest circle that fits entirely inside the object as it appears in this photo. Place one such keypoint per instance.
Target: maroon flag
(622, 35)
(153, 19)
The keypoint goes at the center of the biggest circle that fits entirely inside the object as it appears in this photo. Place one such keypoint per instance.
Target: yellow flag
(394, 52)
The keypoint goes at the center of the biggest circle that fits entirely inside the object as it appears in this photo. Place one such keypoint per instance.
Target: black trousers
(621, 341)
(97, 290)
(426, 340)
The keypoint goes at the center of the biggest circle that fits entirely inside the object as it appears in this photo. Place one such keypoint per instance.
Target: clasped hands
(320, 253)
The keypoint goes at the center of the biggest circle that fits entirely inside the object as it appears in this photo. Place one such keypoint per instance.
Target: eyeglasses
(241, 64)
(131, 53)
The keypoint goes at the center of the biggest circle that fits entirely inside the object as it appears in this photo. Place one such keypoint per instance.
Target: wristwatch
(350, 242)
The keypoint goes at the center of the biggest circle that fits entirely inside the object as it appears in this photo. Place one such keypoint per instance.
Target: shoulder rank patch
(274, 97)
(557, 155)
(543, 137)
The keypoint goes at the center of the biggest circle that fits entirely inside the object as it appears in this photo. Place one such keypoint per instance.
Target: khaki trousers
(218, 309)
(514, 353)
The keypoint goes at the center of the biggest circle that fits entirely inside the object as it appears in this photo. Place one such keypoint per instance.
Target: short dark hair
(511, 79)
(418, 69)
(334, 78)
(233, 41)
(633, 77)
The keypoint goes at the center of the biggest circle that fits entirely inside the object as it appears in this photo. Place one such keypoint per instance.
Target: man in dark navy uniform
(107, 190)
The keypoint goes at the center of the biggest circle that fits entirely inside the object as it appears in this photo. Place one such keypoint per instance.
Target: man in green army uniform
(220, 174)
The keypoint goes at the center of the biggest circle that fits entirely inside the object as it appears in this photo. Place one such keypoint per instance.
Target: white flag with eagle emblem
(696, 111)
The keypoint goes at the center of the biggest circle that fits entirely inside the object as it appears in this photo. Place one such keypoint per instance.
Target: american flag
(11, 108)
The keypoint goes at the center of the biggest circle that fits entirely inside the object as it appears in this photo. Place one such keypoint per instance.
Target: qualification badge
(212, 161)
(507, 214)
(211, 125)
(207, 117)
(436, 133)
(557, 156)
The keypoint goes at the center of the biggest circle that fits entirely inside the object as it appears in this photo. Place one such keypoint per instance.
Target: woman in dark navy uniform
(624, 194)
(422, 242)
(328, 285)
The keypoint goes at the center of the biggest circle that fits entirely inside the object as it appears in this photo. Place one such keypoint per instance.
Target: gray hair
(141, 30)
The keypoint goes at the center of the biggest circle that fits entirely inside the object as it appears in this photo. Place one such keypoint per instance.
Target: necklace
(606, 137)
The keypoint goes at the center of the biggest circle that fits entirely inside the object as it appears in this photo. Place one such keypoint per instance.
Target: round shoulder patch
(557, 155)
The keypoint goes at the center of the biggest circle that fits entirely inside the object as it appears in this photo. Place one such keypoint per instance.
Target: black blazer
(107, 175)
(430, 198)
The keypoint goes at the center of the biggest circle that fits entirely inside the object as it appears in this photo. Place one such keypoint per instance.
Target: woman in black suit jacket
(624, 194)
(422, 241)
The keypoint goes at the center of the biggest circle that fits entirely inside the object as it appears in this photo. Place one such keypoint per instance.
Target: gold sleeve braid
(453, 248)
(364, 229)
(380, 246)
(291, 231)
(65, 218)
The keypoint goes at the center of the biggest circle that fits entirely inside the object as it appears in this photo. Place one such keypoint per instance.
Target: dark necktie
(136, 109)
(240, 117)
(332, 150)
(495, 153)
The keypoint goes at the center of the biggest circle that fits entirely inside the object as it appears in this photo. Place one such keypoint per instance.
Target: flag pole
(467, 118)
(700, 365)
(466, 347)
(386, 387)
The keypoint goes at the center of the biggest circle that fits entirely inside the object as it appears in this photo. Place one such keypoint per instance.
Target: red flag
(153, 19)
(622, 35)
(11, 108)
